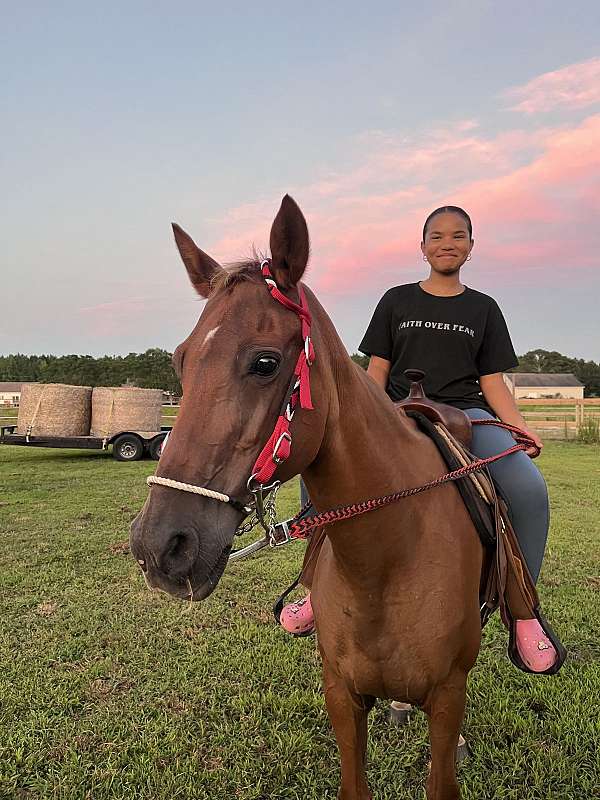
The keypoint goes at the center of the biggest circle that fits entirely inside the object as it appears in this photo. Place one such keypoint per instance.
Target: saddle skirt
(506, 582)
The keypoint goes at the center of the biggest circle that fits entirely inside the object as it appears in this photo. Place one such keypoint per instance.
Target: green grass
(111, 692)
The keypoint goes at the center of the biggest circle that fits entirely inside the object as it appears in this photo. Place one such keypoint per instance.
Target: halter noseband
(279, 445)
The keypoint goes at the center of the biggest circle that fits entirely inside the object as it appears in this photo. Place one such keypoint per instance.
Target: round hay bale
(54, 409)
(125, 408)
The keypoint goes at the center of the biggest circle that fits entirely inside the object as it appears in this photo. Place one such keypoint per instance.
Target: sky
(117, 119)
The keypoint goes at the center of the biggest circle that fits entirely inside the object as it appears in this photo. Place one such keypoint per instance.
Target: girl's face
(447, 243)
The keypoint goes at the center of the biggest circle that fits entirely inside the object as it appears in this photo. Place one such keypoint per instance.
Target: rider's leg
(297, 618)
(524, 489)
(522, 486)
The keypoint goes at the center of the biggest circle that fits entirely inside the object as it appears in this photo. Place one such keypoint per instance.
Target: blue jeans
(521, 484)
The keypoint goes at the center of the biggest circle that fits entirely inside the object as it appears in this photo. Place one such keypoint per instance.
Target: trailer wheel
(128, 447)
(155, 448)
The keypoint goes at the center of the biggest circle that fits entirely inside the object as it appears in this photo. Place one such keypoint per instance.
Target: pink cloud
(394, 182)
(116, 305)
(533, 195)
(572, 87)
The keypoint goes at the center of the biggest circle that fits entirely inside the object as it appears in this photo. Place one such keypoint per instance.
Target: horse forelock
(237, 272)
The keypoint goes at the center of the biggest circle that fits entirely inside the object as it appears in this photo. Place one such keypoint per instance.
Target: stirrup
(513, 652)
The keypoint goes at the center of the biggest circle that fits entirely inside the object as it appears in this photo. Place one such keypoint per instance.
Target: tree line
(149, 370)
(153, 369)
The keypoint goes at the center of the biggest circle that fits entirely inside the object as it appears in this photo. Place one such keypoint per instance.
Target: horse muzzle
(184, 560)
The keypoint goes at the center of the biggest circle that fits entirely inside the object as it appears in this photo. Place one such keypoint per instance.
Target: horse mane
(238, 271)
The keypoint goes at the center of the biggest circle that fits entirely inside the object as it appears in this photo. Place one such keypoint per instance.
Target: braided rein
(298, 528)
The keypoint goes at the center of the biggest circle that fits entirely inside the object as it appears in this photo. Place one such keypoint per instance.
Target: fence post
(579, 412)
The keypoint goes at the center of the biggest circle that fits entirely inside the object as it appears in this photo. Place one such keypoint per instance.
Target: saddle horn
(455, 420)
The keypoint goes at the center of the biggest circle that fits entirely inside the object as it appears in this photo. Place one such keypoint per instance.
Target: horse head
(235, 369)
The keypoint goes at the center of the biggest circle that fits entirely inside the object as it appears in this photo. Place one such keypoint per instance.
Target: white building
(10, 393)
(543, 385)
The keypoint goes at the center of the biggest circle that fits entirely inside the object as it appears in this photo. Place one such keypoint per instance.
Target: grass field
(111, 692)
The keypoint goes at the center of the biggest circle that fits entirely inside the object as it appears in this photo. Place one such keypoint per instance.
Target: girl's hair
(452, 210)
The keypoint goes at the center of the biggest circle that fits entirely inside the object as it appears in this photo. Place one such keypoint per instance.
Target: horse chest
(371, 659)
(396, 677)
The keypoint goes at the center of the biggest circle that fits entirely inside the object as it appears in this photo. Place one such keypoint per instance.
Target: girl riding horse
(459, 338)
(395, 592)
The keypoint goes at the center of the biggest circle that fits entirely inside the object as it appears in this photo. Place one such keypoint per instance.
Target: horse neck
(368, 447)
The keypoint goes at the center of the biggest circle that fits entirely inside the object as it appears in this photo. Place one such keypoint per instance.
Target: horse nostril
(176, 546)
(179, 555)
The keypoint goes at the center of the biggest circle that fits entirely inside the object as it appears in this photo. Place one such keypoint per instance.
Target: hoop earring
(469, 257)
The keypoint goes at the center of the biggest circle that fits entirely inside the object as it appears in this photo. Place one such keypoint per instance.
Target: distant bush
(589, 431)
(362, 361)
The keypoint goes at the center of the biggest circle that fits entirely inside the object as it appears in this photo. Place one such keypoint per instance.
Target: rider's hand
(530, 451)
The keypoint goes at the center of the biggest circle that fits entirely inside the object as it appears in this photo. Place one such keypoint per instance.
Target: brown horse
(395, 592)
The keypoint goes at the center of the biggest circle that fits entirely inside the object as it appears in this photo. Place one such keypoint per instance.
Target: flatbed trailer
(126, 445)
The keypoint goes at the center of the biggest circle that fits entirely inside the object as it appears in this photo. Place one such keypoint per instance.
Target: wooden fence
(559, 419)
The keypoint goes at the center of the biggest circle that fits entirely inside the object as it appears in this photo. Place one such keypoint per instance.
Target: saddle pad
(471, 493)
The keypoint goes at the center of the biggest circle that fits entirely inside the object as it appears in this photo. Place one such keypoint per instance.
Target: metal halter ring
(279, 534)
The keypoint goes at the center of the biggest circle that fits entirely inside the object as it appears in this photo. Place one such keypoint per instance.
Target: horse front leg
(445, 708)
(348, 713)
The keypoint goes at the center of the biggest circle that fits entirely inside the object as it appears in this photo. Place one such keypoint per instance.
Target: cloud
(117, 305)
(533, 196)
(574, 87)
(546, 211)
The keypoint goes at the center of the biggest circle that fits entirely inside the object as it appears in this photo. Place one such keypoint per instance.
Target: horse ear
(201, 268)
(289, 244)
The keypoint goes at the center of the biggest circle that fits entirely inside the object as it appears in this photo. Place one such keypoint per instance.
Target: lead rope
(298, 528)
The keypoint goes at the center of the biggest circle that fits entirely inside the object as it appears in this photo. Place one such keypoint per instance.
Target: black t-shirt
(453, 340)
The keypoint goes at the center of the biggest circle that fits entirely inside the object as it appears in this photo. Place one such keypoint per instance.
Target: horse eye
(265, 366)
